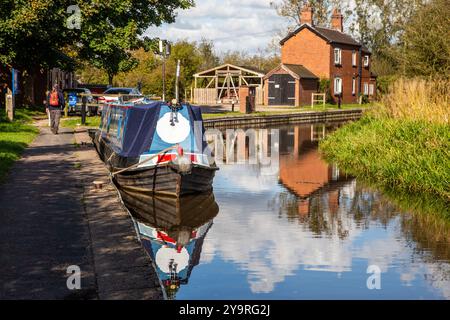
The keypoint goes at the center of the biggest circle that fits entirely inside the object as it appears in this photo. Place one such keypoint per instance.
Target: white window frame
(371, 89)
(339, 56)
(354, 57)
(366, 61)
(366, 88)
(353, 86)
(337, 85)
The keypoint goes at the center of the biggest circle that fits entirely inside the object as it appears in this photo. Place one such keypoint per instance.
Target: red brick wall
(309, 50)
(307, 87)
(346, 71)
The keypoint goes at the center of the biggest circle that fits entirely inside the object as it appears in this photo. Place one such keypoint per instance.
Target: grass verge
(15, 136)
(74, 122)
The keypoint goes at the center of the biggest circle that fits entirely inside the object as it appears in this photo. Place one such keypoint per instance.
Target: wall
(346, 71)
(307, 88)
(309, 50)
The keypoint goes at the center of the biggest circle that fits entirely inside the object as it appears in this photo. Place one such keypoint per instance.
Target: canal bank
(52, 218)
(403, 144)
(284, 118)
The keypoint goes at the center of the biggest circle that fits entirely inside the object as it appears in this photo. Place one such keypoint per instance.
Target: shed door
(281, 90)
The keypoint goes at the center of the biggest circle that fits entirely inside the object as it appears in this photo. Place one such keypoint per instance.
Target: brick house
(322, 53)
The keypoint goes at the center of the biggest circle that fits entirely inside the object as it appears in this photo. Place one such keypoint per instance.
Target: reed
(417, 100)
(402, 144)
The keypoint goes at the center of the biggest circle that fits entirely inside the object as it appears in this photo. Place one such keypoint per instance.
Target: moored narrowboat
(172, 231)
(155, 148)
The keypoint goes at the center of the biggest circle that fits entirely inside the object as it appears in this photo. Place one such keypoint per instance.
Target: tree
(424, 46)
(34, 33)
(207, 54)
(292, 9)
(111, 29)
(378, 24)
(261, 60)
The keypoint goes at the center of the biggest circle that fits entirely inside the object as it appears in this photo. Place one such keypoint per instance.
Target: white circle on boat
(166, 254)
(173, 134)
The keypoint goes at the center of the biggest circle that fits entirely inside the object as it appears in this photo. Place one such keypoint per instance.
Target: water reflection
(172, 232)
(302, 230)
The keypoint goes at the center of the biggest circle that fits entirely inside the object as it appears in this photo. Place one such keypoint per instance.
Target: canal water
(296, 228)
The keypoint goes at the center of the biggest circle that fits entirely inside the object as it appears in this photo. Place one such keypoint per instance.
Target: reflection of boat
(153, 148)
(172, 231)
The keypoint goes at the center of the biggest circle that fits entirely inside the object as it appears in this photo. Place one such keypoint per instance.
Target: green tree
(34, 33)
(424, 46)
(379, 24)
(111, 29)
(207, 54)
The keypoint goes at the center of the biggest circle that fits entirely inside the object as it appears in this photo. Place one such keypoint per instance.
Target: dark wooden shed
(290, 85)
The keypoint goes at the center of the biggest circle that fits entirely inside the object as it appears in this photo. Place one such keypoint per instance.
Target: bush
(325, 87)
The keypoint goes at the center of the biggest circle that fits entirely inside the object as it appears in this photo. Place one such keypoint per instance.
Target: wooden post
(9, 99)
(83, 110)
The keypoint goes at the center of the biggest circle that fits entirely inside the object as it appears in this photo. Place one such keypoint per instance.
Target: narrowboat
(172, 232)
(155, 148)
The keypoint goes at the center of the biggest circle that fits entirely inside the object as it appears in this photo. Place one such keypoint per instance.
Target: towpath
(52, 218)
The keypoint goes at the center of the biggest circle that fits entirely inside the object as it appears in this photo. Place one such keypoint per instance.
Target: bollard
(98, 185)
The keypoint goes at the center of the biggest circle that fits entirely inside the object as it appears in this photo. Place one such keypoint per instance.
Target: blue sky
(243, 25)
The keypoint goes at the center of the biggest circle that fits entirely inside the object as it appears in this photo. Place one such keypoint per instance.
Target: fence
(205, 96)
(318, 97)
(208, 96)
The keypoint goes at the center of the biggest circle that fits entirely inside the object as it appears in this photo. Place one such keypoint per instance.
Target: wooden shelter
(220, 85)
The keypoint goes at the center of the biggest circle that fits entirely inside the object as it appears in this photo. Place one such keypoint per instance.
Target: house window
(337, 86)
(366, 61)
(366, 89)
(337, 56)
(353, 86)
(354, 58)
(371, 89)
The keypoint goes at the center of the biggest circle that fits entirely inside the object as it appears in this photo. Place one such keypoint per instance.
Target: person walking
(55, 104)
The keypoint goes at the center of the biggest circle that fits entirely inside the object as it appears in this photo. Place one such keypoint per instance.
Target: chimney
(306, 15)
(337, 20)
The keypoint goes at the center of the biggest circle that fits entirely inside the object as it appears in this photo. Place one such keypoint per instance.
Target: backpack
(54, 99)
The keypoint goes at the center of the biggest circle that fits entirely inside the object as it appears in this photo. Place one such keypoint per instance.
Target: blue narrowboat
(172, 232)
(155, 148)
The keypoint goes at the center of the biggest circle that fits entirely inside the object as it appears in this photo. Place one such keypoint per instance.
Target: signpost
(177, 90)
(164, 51)
(10, 96)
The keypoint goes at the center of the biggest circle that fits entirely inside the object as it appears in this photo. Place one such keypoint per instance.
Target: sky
(242, 25)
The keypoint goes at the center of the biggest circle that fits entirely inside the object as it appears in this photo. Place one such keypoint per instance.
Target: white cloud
(246, 25)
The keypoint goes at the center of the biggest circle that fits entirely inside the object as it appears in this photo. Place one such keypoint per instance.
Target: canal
(293, 227)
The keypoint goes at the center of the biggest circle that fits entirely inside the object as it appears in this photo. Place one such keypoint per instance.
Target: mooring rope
(145, 161)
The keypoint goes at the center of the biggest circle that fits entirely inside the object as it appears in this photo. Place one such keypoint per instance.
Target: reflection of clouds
(237, 177)
(270, 248)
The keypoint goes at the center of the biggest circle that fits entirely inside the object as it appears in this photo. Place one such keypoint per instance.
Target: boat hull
(165, 179)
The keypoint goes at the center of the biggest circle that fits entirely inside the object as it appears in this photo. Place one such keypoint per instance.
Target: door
(281, 90)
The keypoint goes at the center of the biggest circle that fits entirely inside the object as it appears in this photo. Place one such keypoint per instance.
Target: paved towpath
(51, 218)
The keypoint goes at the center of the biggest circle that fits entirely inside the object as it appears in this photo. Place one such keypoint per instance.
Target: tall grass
(402, 144)
(416, 99)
